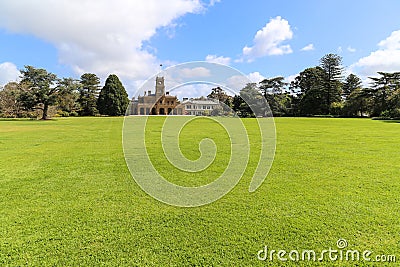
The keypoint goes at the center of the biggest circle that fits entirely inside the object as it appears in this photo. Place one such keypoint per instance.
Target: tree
(351, 83)
(383, 88)
(272, 86)
(239, 105)
(228, 105)
(358, 103)
(273, 91)
(394, 104)
(250, 103)
(331, 64)
(237, 102)
(309, 85)
(313, 101)
(224, 99)
(88, 94)
(68, 96)
(219, 94)
(113, 99)
(10, 107)
(41, 92)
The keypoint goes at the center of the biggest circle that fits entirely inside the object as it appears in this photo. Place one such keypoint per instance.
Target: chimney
(167, 93)
(149, 92)
(145, 93)
(185, 99)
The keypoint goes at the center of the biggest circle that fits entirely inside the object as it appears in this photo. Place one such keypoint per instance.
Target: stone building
(200, 106)
(157, 103)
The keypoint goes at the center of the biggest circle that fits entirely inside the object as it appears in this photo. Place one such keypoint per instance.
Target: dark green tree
(383, 88)
(351, 83)
(332, 66)
(394, 104)
(253, 103)
(241, 103)
(88, 94)
(273, 91)
(272, 86)
(309, 86)
(42, 90)
(113, 99)
(237, 102)
(358, 103)
(67, 101)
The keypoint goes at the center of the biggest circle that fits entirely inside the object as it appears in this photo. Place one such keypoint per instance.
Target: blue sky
(261, 38)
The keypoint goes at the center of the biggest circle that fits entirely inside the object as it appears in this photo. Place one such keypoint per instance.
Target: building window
(204, 107)
(188, 106)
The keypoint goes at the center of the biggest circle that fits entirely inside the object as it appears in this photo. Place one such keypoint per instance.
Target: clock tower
(160, 87)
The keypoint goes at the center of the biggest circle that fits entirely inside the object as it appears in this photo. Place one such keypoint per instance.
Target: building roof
(200, 102)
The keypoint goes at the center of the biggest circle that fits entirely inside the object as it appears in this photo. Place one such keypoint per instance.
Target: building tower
(160, 87)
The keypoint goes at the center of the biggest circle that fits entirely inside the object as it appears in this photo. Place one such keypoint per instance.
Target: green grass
(189, 138)
(67, 197)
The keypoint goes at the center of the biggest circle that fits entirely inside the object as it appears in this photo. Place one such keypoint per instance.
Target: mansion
(159, 103)
(199, 107)
(162, 103)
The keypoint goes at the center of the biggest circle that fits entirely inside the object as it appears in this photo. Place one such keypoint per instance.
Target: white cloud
(220, 59)
(213, 2)
(255, 77)
(392, 42)
(309, 47)
(340, 50)
(268, 41)
(8, 73)
(351, 49)
(192, 90)
(291, 78)
(197, 72)
(237, 82)
(98, 35)
(386, 58)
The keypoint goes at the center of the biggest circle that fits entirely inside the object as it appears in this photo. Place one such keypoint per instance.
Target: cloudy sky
(261, 38)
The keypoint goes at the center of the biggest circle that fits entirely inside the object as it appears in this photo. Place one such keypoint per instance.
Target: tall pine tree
(88, 94)
(351, 83)
(113, 99)
(332, 65)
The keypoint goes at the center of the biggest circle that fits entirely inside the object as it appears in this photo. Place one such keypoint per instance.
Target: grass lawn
(67, 197)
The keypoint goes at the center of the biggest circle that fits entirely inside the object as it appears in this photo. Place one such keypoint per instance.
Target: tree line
(319, 90)
(322, 90)
(40, 92)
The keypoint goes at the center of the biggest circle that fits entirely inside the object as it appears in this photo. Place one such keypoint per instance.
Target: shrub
(74, 114)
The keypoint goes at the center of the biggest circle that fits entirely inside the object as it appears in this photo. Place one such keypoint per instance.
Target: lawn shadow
(391, 121)
(25, 119)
